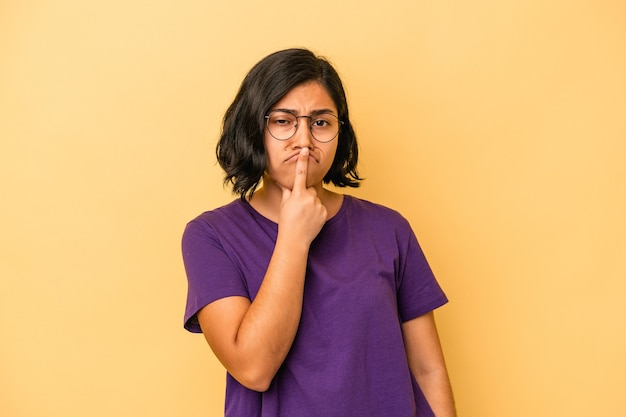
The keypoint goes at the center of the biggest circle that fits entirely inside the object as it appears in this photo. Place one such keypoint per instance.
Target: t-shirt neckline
(340, 213)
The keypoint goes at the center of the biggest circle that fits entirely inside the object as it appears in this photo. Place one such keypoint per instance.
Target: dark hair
(240, 150)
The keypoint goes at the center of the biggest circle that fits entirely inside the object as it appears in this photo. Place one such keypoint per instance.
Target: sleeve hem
(421, 310)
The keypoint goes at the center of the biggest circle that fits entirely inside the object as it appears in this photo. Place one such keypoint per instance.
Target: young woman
(316, 303)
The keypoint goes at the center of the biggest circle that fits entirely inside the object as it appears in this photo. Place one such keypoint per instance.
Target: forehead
(307, 97)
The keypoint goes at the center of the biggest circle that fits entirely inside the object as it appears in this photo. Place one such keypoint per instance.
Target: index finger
(302, 167)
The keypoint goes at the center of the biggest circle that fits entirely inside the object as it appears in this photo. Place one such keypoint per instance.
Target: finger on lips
(302, 165)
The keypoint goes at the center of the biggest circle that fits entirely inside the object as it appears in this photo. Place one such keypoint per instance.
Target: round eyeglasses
(282, 125)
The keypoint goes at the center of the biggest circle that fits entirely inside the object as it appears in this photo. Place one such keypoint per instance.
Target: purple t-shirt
(366, 275)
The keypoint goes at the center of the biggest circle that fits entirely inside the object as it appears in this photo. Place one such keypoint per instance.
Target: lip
(294, 157)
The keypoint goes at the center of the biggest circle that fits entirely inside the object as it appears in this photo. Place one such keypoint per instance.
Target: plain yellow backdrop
(498, 128)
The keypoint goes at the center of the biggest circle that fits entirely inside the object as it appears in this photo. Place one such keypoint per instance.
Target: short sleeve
(418, 289)
(211, 273)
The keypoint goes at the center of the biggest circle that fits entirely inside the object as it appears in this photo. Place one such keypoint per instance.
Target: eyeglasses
(282, 125)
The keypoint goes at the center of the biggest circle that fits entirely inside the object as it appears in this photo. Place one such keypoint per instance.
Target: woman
(316, 303)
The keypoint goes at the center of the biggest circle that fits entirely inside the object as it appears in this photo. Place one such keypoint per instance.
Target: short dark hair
(240, 150)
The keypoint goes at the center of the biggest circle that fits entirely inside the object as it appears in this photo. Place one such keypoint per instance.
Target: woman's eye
(283, 121)
(320, 123)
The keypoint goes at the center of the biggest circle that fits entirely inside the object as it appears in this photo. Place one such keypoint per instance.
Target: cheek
(273, 162)
(330, 156)
(271, 154)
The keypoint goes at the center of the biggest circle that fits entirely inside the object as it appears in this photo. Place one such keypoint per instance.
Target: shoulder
(374, 212)
(222, 219)
(235, 210)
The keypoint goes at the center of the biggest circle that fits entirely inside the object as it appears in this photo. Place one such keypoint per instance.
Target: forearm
(427, 363)
(269, 326)
(438, 392)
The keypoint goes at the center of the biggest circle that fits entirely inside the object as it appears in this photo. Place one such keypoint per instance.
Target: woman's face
(304, 100)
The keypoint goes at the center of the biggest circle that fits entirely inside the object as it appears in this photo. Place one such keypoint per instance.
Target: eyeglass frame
(267, 118)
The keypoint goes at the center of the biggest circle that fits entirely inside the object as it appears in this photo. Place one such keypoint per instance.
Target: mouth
(294, 157)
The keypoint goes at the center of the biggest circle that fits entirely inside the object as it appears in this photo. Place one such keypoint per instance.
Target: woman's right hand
(302, 214)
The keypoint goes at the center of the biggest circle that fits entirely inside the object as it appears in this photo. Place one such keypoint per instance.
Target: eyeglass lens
(283, 125)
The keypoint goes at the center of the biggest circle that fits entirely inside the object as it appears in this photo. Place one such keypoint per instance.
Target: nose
(303, 137)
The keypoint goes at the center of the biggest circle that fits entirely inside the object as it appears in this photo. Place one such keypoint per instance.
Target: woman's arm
(427, 363)
(252, 339)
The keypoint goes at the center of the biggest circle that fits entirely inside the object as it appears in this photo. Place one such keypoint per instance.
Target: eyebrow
(313, 113)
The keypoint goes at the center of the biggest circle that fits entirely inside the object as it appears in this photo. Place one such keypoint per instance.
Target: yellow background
(498, 128)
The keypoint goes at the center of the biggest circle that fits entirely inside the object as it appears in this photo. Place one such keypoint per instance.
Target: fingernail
(304, 151)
